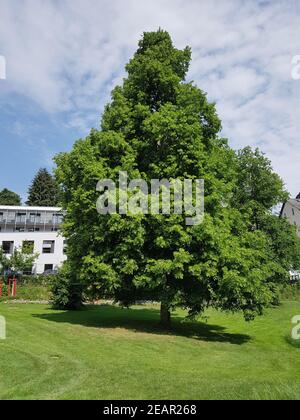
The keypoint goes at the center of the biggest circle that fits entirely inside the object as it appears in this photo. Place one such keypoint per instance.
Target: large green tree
(160, 126)
(9, 198)
(44, 190)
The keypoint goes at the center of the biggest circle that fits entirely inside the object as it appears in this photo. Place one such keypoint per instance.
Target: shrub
(28, 292)
(4, 291)
(65, 292)
(290, 291)
(31, 292)
(35, 280)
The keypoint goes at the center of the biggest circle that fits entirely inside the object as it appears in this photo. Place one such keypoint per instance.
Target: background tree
(258, 188)
(159, 126)
(258, 191)
(9, 198)
(257, 184)
(43, 191)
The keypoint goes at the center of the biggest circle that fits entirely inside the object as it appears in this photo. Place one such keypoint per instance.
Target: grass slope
(109, 353)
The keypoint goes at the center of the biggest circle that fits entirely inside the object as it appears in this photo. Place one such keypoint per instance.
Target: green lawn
(108, 353)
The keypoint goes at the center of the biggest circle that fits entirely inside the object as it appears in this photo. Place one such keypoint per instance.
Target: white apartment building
(291, 211)
(37, 227)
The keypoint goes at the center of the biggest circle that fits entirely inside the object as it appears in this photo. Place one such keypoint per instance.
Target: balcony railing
(43, 220)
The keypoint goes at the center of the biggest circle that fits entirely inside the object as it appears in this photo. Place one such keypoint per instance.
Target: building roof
(29, 208)
(295, 203)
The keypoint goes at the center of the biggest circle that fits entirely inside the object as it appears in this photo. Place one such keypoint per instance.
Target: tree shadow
(292, 342)
(145, 320)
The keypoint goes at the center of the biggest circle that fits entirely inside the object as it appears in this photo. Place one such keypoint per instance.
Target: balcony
(9, 221)
(30, 221)
(20, 220)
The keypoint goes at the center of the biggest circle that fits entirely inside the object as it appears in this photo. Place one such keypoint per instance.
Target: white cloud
(67, 55)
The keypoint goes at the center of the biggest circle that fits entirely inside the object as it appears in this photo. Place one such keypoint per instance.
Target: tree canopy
(258, 190)
(159, 126)
(9, 198)
(43, 191)
(257, 184)
(20, 261)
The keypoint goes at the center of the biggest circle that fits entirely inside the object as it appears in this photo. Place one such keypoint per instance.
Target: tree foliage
(160, 126)
(20, 261)
(66, 292)
(258, 190)
(257, 184)
(9, 198)
(43, 191)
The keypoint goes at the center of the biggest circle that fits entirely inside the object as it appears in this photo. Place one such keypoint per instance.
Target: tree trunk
(165, 316)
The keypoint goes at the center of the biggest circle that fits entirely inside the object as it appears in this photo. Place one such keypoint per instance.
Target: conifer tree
(43, 191)
(9, 198)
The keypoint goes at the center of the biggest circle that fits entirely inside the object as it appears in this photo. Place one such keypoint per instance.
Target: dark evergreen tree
(9, 198)
(43, 191)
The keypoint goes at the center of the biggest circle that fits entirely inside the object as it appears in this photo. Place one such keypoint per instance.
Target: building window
(8, 247)
(1, 217)
(28, 247)
(32, 217)
(33, 229)
(57, 218)
(293, 211)
(11, 217)
(48, 218)
(65, 246)
(48, 247)
(21, 218)
(20, 229)
(28, 271)
(48, 267)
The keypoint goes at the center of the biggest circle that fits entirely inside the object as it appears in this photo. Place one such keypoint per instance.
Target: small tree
(43, 191)
(9, 198)
(18, 262)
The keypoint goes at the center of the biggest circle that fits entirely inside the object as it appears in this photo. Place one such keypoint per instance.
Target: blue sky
(64, 57)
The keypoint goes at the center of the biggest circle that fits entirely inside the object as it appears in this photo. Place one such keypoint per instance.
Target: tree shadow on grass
(145, 320)
(292, 342)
